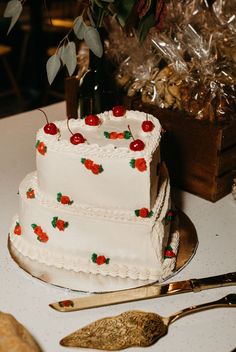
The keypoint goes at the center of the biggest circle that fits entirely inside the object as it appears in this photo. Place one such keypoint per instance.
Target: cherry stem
(69, 127)
(44, 114)
(130, 132)
(146, 117)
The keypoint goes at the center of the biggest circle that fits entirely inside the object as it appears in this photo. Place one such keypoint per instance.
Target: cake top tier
(132, 133)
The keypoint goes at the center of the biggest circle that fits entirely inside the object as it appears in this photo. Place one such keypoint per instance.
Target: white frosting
(96, 144)
(134, 245)
(102, 219)
(119, 185)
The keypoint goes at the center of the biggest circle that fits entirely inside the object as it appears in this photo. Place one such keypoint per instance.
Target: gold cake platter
(79, 281)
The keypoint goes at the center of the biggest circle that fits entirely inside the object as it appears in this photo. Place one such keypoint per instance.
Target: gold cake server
(144, 292)
(134, 328)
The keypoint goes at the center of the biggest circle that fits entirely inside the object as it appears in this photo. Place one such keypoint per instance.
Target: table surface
(27, 298)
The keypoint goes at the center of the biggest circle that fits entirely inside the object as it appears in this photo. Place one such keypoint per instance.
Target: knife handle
(213, 282)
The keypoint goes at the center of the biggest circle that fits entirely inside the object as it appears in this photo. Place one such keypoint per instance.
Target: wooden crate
(200, 156)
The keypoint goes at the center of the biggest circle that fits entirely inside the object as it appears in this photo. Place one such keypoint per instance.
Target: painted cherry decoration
(147, 125)
(92, 120)
(137, 144)
(118, 111)
(76, 138)
(50, 127)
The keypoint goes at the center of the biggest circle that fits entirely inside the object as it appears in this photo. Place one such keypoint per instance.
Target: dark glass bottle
(97, 88)
(90, 88)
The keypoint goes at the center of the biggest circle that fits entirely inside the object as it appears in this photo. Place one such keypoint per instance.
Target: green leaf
(13, 10)
(150, 214)
(127, 134)
(54, 221)
(93, 40)
(132, 163)
(78, 27)
(69, 57)
(61, 53)
(106, 134)
(145, 24)
(123, 10)
(59, 197)
(94, 257)
(53, 66)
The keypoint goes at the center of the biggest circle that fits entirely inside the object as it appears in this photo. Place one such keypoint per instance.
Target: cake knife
(144, 292)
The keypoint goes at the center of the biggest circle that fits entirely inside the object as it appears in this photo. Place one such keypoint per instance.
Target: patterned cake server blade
(145, 292)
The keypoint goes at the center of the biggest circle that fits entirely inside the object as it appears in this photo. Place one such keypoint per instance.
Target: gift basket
(184, 73)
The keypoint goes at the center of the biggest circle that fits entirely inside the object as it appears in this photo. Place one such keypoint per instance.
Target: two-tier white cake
(101, 206)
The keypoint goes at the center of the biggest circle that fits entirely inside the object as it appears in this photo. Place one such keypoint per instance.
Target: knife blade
(144, 292)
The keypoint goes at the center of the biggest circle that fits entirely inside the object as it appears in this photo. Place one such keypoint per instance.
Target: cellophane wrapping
(187, 62)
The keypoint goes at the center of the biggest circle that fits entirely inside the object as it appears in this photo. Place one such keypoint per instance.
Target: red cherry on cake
(147, 125)
(92, 120)
(137, 145)
(77, 138)
(50, 127)
(118, 111)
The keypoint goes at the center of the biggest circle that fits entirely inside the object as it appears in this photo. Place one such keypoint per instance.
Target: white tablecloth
(27, 298)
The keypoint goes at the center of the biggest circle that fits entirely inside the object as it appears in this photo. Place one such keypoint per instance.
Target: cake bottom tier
(95, 241)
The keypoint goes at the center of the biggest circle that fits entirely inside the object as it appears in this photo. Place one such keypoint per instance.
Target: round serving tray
(98, 283)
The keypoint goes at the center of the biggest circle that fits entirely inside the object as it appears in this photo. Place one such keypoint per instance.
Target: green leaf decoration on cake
(63, 199)
(143, 213)
(127, 135)
(107, 134)
(60, 224)
(41, 235)
(99, 259)
(96, 169)
(41, 147)
(139, 164)
(132, 163)
(169, 216)
(117, 135)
